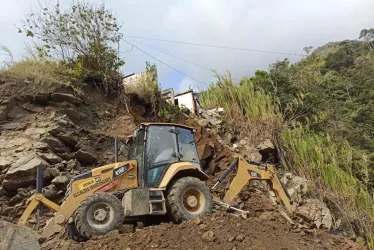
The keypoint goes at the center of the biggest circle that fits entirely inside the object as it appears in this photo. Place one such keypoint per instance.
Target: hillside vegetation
(319, 112)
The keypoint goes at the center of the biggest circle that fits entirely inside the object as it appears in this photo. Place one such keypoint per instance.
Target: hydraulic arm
(248, 171)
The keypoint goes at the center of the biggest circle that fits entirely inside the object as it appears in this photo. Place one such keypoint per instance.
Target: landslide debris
(67, 135)
(59, 132)
(215, 231)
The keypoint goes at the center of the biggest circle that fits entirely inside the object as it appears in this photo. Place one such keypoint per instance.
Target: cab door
(136, 152)
(161, 152)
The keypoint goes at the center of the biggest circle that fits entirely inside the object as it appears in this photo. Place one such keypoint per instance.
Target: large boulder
(50, 157)
(5, 162)
(5, 107)
(60, 181)
(63, 97)
(251, 153)
(211, 116)
(203, 122)
(266, 145)
(296, 186)
(68, 140)
(22, 237)
(85, 157)
(51, 191)
(54, 144)
(315, 212)
(23, 172)
(3, 192)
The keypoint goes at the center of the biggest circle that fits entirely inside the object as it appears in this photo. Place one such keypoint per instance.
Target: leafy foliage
(337, 94)
(146, 88)
(82, 36)
(168, 112)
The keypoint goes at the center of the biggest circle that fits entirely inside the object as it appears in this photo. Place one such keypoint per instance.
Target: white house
(187, 99)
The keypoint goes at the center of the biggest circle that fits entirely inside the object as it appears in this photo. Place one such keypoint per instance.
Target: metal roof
(184, 92)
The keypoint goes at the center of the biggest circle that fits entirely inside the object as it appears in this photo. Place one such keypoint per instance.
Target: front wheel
(98, 214)
(188, 198)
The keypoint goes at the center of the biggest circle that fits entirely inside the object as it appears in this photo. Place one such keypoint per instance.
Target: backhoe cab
(162, 176)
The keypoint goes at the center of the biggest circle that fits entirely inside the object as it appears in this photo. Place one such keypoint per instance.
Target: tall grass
(327, 163)
(249, 111)
(241, 99)
(40, 73)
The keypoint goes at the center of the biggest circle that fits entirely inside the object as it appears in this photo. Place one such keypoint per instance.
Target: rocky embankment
(58, 132)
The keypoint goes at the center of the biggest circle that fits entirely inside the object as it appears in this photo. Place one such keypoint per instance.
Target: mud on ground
(215, 231)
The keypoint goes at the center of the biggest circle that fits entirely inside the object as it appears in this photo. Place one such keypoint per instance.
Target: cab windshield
(165, 145)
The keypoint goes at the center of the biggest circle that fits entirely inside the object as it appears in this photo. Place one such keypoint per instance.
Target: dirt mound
(216, 231)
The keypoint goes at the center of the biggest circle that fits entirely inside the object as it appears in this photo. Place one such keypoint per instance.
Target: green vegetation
(147, 89)
(84, 37)
(319, 112)
(247, 107)
(41, 74)
(329, 165)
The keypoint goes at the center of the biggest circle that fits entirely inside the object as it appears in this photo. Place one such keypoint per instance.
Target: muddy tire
(98, 214)
(73, 233)
(188, 198)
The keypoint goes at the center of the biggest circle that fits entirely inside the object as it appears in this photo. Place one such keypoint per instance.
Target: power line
(180, 58)
(216, 46)
(164, 62)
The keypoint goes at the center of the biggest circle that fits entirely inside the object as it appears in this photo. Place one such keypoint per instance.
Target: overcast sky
(271, 25)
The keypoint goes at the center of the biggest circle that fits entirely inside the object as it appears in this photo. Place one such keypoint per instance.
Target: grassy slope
(330, 162)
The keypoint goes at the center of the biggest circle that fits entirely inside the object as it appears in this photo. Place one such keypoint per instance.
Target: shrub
(84, 36)
(42, 74)
(147, 88)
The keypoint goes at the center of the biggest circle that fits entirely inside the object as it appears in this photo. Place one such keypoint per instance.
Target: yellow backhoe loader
(162, 176)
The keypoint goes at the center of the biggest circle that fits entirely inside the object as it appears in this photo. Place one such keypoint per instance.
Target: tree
(83, 35)
(368, 36)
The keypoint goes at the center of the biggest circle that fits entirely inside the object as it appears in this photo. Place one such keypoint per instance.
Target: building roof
(184, 92)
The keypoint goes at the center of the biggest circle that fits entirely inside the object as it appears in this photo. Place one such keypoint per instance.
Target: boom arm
(254, 171)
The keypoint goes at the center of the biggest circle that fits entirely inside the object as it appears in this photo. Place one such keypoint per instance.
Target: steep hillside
(318, 112)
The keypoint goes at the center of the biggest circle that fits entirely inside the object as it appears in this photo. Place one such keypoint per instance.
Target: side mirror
(135, 134)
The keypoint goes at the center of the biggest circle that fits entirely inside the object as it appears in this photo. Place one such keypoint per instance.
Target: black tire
(180, 192)
(98, 214)
(73, 233)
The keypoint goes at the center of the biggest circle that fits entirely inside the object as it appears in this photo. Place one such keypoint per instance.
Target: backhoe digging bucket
(15, 237)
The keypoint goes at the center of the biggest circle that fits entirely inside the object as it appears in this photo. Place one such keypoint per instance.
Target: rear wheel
(188, 198)
(98, 214)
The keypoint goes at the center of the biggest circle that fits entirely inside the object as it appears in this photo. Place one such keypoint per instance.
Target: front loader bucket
(15, 237)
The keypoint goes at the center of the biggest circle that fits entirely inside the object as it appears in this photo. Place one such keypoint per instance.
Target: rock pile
(212, 121)
(313, 213)
(51, 135)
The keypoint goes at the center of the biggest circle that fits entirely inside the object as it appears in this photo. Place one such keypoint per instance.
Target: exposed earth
(217, 231)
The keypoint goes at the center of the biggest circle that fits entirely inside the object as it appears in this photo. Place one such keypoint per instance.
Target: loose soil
(219, 230)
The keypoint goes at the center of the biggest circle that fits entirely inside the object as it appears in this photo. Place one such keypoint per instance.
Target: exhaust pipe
(39, 190)
(115, 149)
